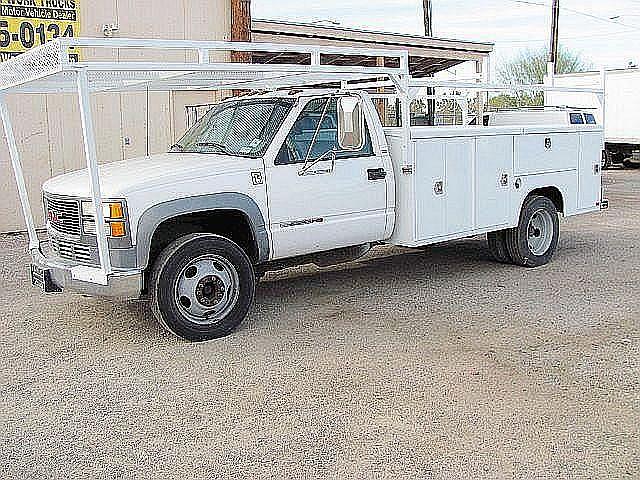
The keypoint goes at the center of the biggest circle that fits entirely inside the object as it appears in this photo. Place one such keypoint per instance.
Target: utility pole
(553, 47)
(241, 28)
(428, 32)
(428, 18)
(240, 32)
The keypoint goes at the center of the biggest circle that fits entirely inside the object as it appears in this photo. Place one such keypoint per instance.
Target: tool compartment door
(589, 171)
(444, 186)
(494, 175)
(430, 205)
(540, 152)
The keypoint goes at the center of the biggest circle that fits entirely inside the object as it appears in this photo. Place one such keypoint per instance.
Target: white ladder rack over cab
(48, 70)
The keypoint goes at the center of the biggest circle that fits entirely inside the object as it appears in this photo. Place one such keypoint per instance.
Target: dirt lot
(408, 364)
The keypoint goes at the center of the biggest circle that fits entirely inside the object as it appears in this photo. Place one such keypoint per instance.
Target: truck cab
(280, 175)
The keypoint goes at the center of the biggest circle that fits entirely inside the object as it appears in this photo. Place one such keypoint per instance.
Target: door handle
(376, 174)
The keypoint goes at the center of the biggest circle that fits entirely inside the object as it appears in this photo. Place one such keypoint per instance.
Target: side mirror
(350, 124)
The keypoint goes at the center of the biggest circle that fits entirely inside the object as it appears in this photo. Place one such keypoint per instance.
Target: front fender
(156, 215)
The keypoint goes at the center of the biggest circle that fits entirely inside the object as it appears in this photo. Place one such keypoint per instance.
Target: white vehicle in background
(620, 115)
(288, 177)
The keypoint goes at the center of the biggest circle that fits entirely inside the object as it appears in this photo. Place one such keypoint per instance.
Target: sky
(513, 25)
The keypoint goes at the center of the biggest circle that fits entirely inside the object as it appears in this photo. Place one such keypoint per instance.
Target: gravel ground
(407, 364)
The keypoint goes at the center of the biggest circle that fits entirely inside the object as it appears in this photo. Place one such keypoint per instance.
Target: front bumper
(122, 284)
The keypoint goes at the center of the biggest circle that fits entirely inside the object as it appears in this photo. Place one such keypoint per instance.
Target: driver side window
(300, 139)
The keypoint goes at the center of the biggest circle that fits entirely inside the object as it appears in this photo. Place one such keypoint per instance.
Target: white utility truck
(285, 177)
(621, 106)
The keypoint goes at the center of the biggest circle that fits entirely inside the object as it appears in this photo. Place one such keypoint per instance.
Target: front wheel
(202, 287)
(535, 240)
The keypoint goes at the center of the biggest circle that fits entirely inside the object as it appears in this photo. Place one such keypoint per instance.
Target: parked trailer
(622, 103)
(288, 175)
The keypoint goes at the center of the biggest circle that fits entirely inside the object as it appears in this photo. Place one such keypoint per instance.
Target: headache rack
(48, 70)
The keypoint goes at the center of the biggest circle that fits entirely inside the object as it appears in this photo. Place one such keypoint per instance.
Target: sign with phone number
(25, 24)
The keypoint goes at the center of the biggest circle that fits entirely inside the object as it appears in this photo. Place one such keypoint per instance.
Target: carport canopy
(427, 55)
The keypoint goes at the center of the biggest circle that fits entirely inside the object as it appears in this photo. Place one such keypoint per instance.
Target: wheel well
(553, 194)
(231, 224)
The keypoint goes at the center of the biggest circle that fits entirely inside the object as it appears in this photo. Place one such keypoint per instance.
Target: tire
(498, 246)
(202, 287)
(630, 164)
(535, 240)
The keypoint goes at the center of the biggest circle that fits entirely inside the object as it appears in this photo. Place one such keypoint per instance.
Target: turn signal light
(116, 211)
(117, 229)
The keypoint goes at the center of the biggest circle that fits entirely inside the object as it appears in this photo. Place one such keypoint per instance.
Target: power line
(578, 12)
(578, 37)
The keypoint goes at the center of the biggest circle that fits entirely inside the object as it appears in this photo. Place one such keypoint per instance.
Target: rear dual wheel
(498, 246)
(534, 241)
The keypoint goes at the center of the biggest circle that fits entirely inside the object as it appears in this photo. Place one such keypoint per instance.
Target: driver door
(333, 204)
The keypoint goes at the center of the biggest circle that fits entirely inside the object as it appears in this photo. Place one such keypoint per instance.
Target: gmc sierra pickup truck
(267, 181)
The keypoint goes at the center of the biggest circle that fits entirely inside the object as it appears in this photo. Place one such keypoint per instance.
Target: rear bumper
(122, 284)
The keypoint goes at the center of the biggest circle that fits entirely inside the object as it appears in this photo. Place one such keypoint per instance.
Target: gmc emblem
(53, 217)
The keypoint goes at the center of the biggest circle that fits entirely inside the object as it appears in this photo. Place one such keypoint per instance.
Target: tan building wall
(127, 125)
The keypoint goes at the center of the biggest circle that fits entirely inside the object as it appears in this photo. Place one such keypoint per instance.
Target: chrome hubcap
(207, 289)
(540, 232)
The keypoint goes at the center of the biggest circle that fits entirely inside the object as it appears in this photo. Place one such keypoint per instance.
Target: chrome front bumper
(122, 284)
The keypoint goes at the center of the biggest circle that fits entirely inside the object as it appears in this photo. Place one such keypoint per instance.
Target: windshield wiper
(221, 147)
(176, 146)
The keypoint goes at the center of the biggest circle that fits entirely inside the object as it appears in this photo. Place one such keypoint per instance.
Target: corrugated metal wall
(48, 127)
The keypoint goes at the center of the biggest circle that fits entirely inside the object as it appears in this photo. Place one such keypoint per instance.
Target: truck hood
(121, 178)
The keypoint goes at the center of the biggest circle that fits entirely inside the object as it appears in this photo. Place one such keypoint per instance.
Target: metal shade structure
(427, 55)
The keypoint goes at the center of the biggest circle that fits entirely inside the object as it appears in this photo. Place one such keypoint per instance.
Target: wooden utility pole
(555, 24)
(428, 32)
(428, 18)
(241, 28)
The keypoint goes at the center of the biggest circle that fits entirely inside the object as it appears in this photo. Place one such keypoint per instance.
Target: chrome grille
(73, 251)
(64, 215)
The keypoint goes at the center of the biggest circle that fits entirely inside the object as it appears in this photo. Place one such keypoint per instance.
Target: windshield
(242, 128)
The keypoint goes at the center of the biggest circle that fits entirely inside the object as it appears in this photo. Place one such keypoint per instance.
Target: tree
(530, 67)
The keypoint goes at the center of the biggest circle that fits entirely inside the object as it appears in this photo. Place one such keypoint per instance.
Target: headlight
(113, 210)
(113, 213)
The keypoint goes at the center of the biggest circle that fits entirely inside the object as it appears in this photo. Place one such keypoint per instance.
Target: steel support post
(91, 154)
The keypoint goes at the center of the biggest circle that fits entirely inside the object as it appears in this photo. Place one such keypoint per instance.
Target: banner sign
(25, 24)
